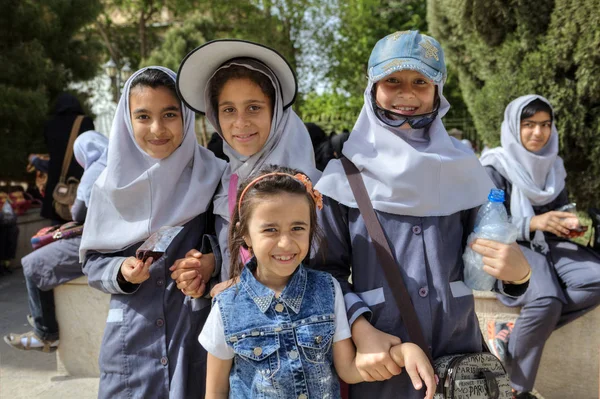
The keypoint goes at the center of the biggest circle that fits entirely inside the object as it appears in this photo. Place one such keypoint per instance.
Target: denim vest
(283, 346)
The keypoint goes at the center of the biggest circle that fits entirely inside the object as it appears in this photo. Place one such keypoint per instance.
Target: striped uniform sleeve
(102, 271)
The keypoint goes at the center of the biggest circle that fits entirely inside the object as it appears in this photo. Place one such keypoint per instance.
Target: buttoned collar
(292, 294)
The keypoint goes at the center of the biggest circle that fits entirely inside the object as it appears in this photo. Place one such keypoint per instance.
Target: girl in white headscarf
(157, 175)
(566, 283)
(425, 187)
(246, 91)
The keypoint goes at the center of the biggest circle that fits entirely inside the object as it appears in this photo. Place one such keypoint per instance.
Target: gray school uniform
(58, 262)
(222, 229)
(563, 286)
(429, 252)
(150, 347)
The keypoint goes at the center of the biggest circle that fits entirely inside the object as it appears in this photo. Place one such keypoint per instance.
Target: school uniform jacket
(429, 252)
(150, 347)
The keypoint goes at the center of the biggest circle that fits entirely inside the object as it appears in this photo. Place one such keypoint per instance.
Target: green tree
(180, 40)
(284, 25)
(45, 45)
(503, 50)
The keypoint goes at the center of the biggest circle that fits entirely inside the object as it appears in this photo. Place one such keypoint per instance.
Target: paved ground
(31, 374)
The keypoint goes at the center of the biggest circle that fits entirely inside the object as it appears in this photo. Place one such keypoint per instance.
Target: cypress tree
(506, 49)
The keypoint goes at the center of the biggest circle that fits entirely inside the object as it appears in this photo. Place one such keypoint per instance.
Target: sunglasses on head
(395, 119)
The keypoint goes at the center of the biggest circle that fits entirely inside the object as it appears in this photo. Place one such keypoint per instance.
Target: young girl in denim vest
(424, 186)
(282, 331)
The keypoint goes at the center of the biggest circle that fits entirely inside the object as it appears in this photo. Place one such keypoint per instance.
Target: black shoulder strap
(386, 258)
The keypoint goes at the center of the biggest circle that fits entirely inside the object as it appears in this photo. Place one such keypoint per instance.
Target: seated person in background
(58, 262)
(566, 284)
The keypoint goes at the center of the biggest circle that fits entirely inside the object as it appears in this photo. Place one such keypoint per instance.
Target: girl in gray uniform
(246, 91)
(566, 283)
(156, 175)
(424, 186)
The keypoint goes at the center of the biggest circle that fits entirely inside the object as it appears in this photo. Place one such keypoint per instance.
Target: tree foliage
(45, 45)
(503, 50)
(347, 45)
(180, 40)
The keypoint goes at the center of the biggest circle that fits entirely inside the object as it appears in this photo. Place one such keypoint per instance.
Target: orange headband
(302, 178)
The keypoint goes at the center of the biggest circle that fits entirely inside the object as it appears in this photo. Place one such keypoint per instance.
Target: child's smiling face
(406, 92)
(536, 131)
(157, 121)
(244, 116)
(279, 235)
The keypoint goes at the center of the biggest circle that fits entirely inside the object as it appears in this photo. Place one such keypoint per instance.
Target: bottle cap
(496, 195)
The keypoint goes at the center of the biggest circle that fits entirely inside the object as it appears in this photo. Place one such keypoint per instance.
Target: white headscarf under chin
(90, 150)
(138, 194)
(537, 178)
(288, 143)
(421, 172)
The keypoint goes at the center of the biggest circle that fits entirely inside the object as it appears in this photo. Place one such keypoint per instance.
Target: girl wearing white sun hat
(246, 90)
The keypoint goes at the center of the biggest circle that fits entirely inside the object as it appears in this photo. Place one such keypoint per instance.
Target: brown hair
(266, 187)
(224, 75)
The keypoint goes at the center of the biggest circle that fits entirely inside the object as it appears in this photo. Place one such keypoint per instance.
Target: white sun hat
(200, 64)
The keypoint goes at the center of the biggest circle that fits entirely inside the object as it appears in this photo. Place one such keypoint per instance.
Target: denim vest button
(416, 229)
(318, 339)
(164, 361)
(302, 396)
(257, 351)
(293, 355)
(279, 307)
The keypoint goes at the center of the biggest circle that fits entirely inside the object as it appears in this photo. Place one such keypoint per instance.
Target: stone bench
(570, 363)
(81, 312)
(569, 367)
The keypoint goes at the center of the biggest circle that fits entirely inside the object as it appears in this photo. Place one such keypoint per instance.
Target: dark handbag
(462, 376)
(50, 234)
(65, 190)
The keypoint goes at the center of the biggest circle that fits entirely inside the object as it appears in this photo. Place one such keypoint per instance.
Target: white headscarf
(137, 194)
(422, 172)
(288, 143)
(537, 177)
(90, 150)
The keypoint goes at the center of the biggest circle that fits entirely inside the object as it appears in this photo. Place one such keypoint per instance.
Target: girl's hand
(135, 271)
(503, 261)
(555, 222)
(417, 365)
(193, 272)
(373, 359)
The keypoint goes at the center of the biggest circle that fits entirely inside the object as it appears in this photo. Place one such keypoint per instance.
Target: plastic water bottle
(491, 223)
